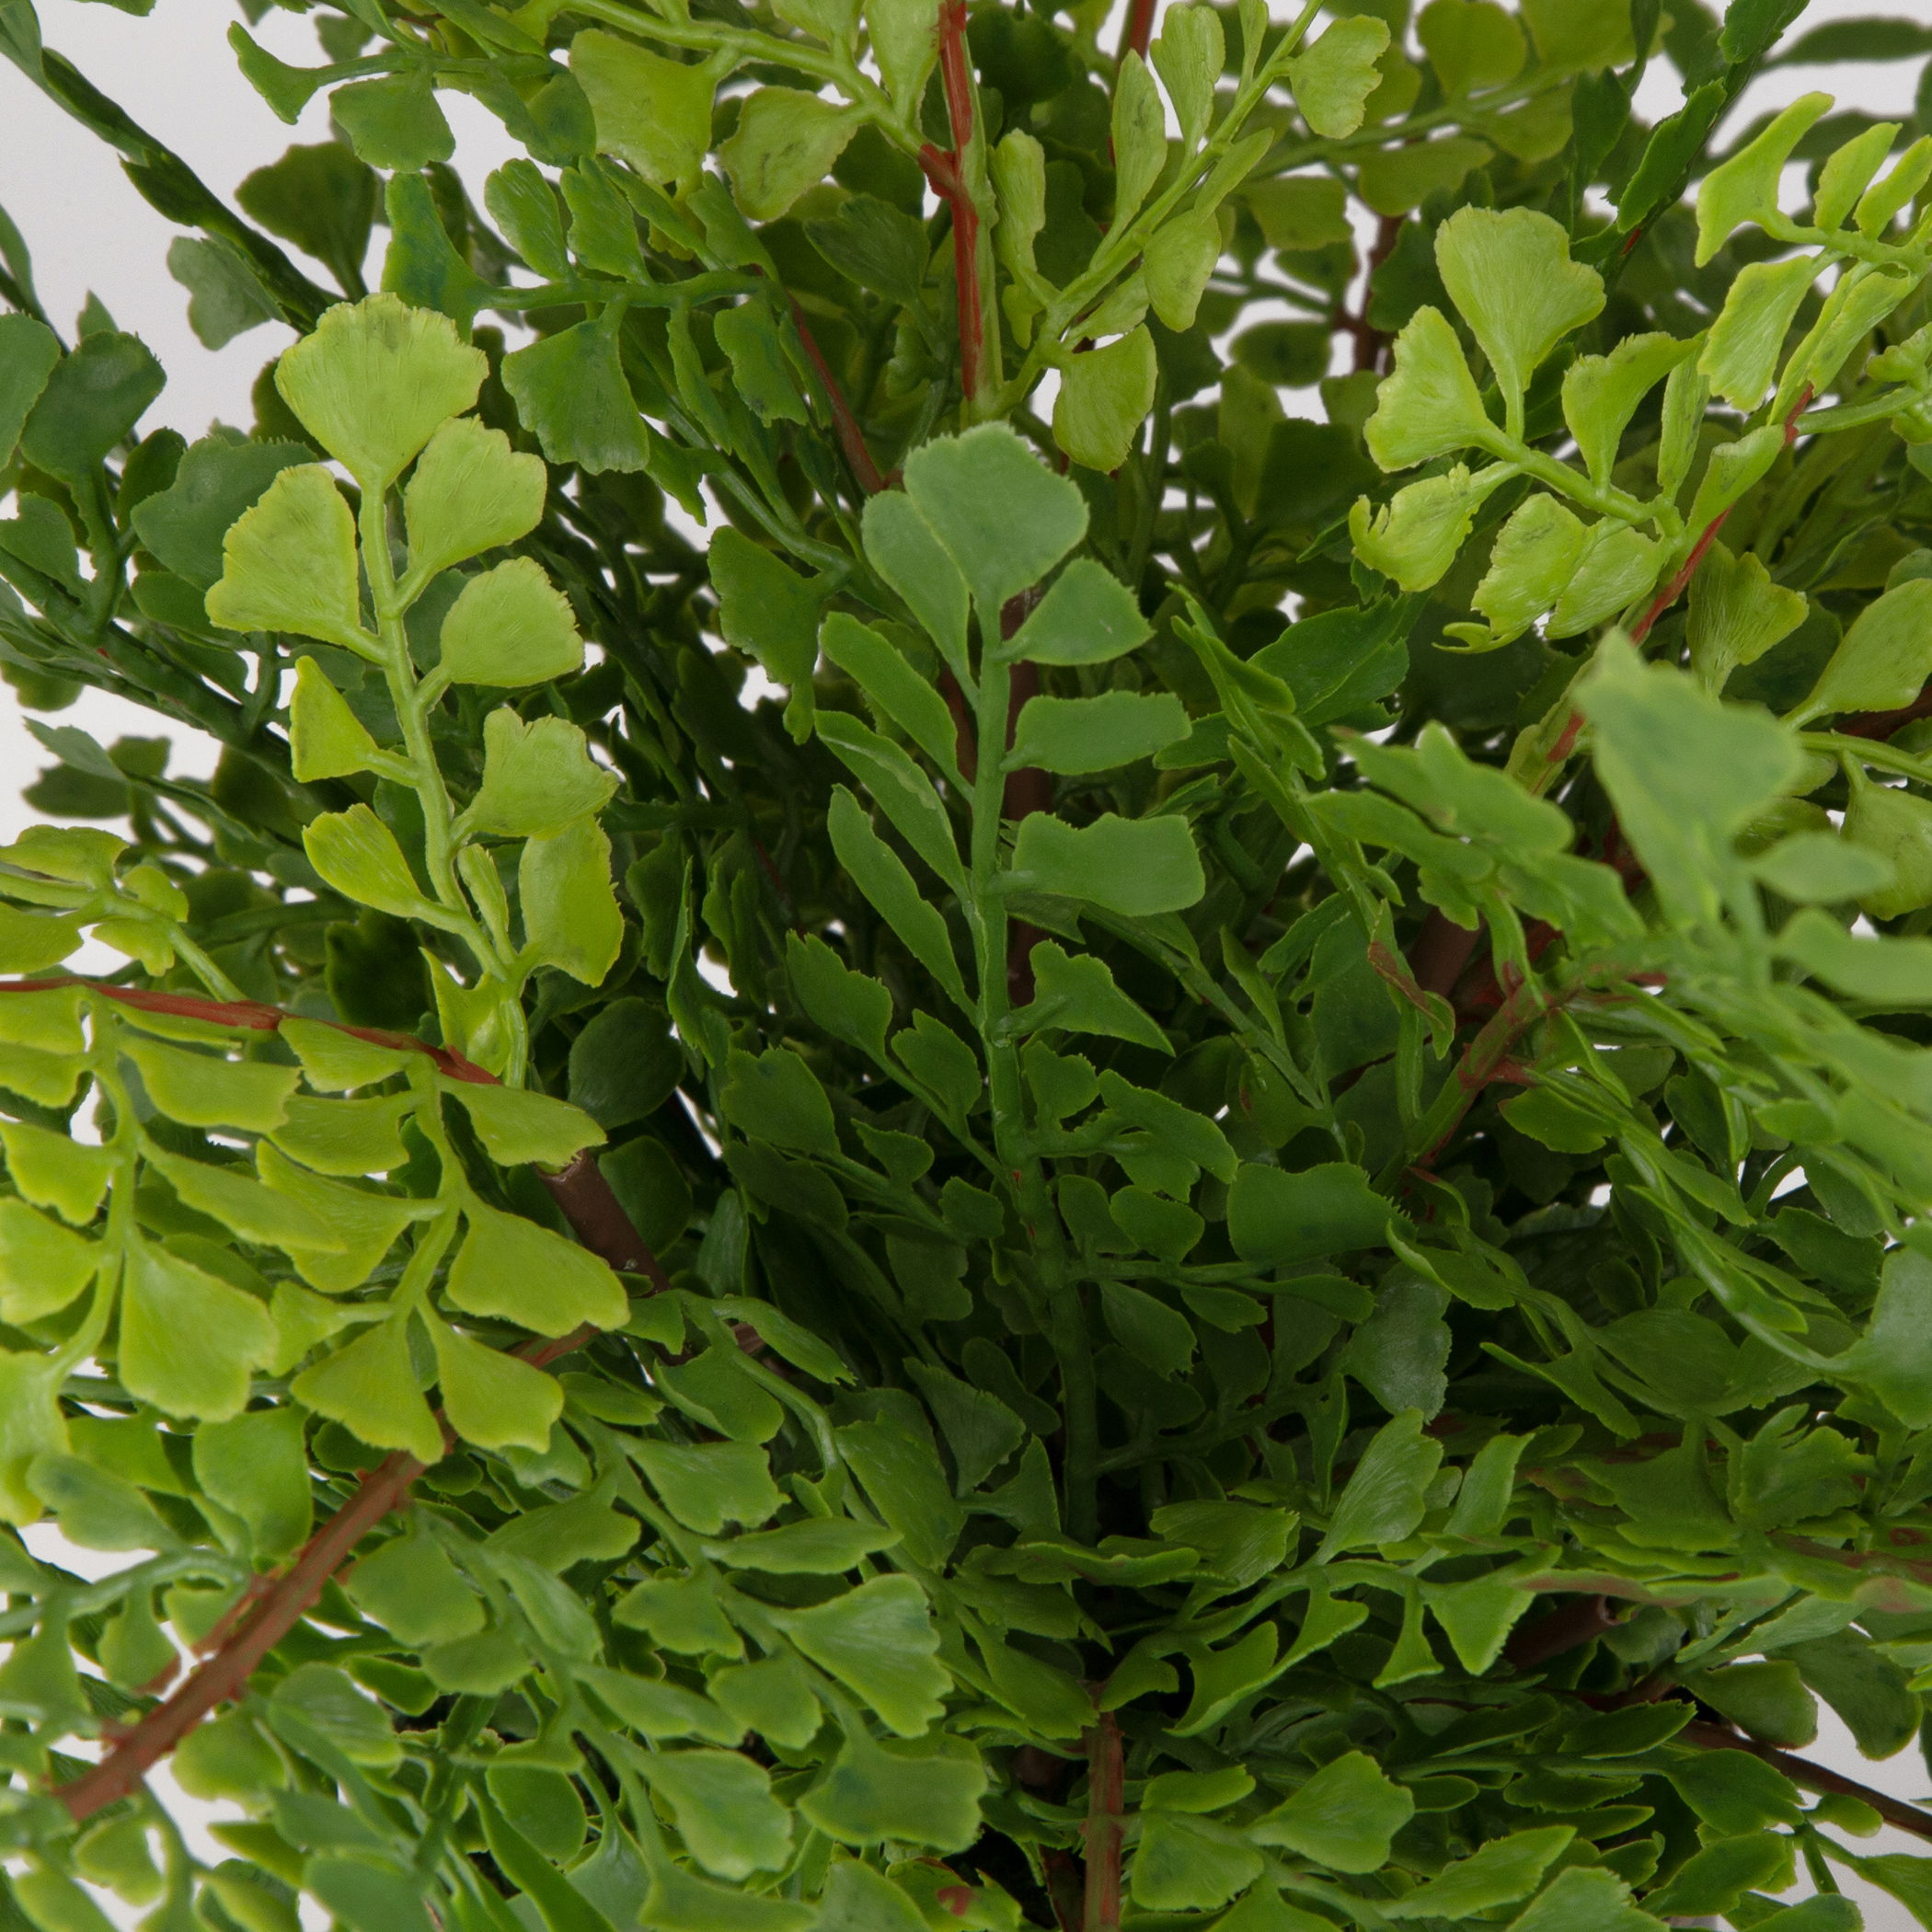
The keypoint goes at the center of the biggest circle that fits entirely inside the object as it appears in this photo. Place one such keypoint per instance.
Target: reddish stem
(1106, 1797)
(844, 423)
(948, 176)
(1139, 28)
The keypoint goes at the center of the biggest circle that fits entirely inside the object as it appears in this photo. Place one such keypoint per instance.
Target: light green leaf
(1076, 992)
(1134, 867)
(538, 778)
(1741, 354)
(1471, 43)
(365, 1225)
(1511, 275)
(43, 1265)
(50, 1170)
(722, 1805)
(257, 1465)
(571, 918)
(1188, 56)
(1384, 1497)
(1414, 537)
(358, 854)
(1535, 556)
(1429, 405)
(188, 1341)
(784, 142)
(31, 1424)
(880, 1642)
(327, 739)
(1002, 517)
(1087, 616)
(1737, 614)
(1140, 136)
(1332, 82)
(1882, 661)
(1618, 565)
(244, 1206)
(470, 492)
(375, 380)
(492, 1398)
(511, 626)
(1744, 188)
(1096, 734)
(1181, 256)
(881, 876)
(901, 546)
(1600, 392)
(289, 563)
(513, 1268)
(200, 1090)
(368, 1386)
(1105, 395)
(651, 111)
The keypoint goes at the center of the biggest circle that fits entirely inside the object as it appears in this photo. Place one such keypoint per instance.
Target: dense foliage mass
(871, 1205)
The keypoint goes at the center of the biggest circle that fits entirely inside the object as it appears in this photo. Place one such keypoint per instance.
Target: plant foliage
(825, 1190)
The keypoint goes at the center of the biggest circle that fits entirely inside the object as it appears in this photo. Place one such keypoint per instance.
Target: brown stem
(599, 1222)
(1809, 1777)
(948, 175)
(1563, 1629)
(844, 423)
(1139, 28)
(1370, 343)
(1106, 1795)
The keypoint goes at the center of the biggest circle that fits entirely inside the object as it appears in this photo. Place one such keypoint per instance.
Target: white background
(89, 231)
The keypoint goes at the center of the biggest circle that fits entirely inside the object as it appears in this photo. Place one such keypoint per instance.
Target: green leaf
(681, 1613)
(1189, 57)
(570, 392)
(188, 1340)
(560, 1905)
(1140, 137)
(900, 1473)
(759, 372)
(724, 1810)
(1393, 181)
(1892, 1357)
(1184, 1864)
(244, 1206)
(774, 1697)
(1134, 867)
(997, 511)
(1895, 828)
(880, 1642)
(1087, 616)
(91, 400)
(1498, 1873)
(326, 738)
(513, 1268)
(1684, 771)
(858, 1898)
(1428, 404)
(1344, 1817)
(1768, 1699)
(28, 351)
(651, 112)
(289, 563)
(1332, 82)
(1741, 352)
(30, 941)
(358, 854)
(877, 1792)
(393, 122)
(894, 689)
(1180, 257)
(365, 1224)
(775, 1097)
(901, 546)
(1600, 392)
(370, 1387)
(905, 45)
(1414, 537)
(705, 1486)
(881, 876)
(538, 778)
(1470, 43)
(516, 1125)
(470, 492)
(1618, 566)
(411, 1589)
(1535, 558)
(218, 478)
(571, 915)
(1744, 188)
(50, 1170)
(1884, 659)
(1737, 614)
(98, 1510)
(1383, 1499)
(1283, 1218)
(1077, 993)
(257, 1465)
(31, 1424)
(43, 1265)
(492, 1398)
(511, 626)
(1105, 395)
(375, 382)
(1582, 1897)
(900, 789)
(784, 142)
(1159, 1337)
(1512, 277)
(819, 1545)
(200, 1090)
(1096, 734)
(659, 1709)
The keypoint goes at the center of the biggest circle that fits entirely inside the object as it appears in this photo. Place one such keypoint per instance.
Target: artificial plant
(939, 1124)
